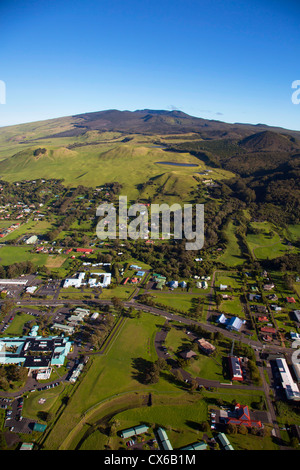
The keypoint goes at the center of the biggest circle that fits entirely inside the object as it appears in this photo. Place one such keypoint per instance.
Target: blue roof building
(222, 319)
(173, 284)
(234, 323)
(34, 351)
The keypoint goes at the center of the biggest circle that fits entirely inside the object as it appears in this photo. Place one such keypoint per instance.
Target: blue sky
(229, 60)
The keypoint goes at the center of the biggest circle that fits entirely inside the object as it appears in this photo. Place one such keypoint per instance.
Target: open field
(267, 243)
(112, 374)
(55, 261)
(232, 307)
(232, 256)
(17, 254)
(228, 278)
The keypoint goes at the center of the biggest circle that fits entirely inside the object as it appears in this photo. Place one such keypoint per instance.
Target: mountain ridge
(150, 122)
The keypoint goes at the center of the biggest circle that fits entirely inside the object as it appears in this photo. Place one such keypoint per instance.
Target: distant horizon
(150, 109)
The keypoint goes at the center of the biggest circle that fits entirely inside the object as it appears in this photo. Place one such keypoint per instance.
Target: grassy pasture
(267, 243)
(232, 256)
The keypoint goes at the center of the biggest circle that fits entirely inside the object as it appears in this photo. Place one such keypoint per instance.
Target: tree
(7, 306)
(231, 428)
(117, 303)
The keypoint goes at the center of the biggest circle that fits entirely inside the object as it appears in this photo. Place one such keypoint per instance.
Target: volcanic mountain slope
(268, 141)
(161, 122)
(240, 148)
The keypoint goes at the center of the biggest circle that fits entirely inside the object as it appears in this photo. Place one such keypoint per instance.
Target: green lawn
(232, 256)
(204, 366)
(267, 243)
(228, 278)
(182, 301)
(232, 307)
(17, 325)
(112, 374)
(17, 254)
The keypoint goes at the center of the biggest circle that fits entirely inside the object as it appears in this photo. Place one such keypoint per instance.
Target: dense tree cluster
(11, 373)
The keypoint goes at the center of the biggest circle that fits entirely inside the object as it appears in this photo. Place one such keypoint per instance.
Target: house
(234, 323)
(222, 319)
(140, 273)
(160, 283)
(276, 308)
(294, 335)
(267, 329)
(263, 318)
(297, 315)
(273, 297)
(269, 286)
(223, 287)
(31, 240)
(267, 338)
(235, 367)
(241, 415)
(201, 284)
(84, 250)
(291, 300)
(252, 297)
(173, 284)
(188, 354)
(205, 346)
(261, 309)
(182, 284)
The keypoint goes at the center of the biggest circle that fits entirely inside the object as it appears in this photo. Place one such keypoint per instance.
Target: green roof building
(134, 431)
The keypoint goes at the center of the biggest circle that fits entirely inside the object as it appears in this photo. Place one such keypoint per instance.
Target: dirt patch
(55, 261)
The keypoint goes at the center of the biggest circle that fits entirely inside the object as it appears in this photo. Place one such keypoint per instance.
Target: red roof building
(235, 368)
(267, 329)
(241, 415)
(84, 250)
(263, 318)
(291, 300)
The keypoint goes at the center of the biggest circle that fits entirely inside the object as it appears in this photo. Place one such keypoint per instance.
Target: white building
(290, 387)
(31, 240)
(74, 281)
(14, 282)
(96, 282)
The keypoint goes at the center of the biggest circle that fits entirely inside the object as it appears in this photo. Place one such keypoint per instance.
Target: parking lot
(49, 289)
(14, 420)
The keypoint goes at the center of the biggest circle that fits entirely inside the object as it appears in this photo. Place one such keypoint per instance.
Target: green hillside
(132, 164)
